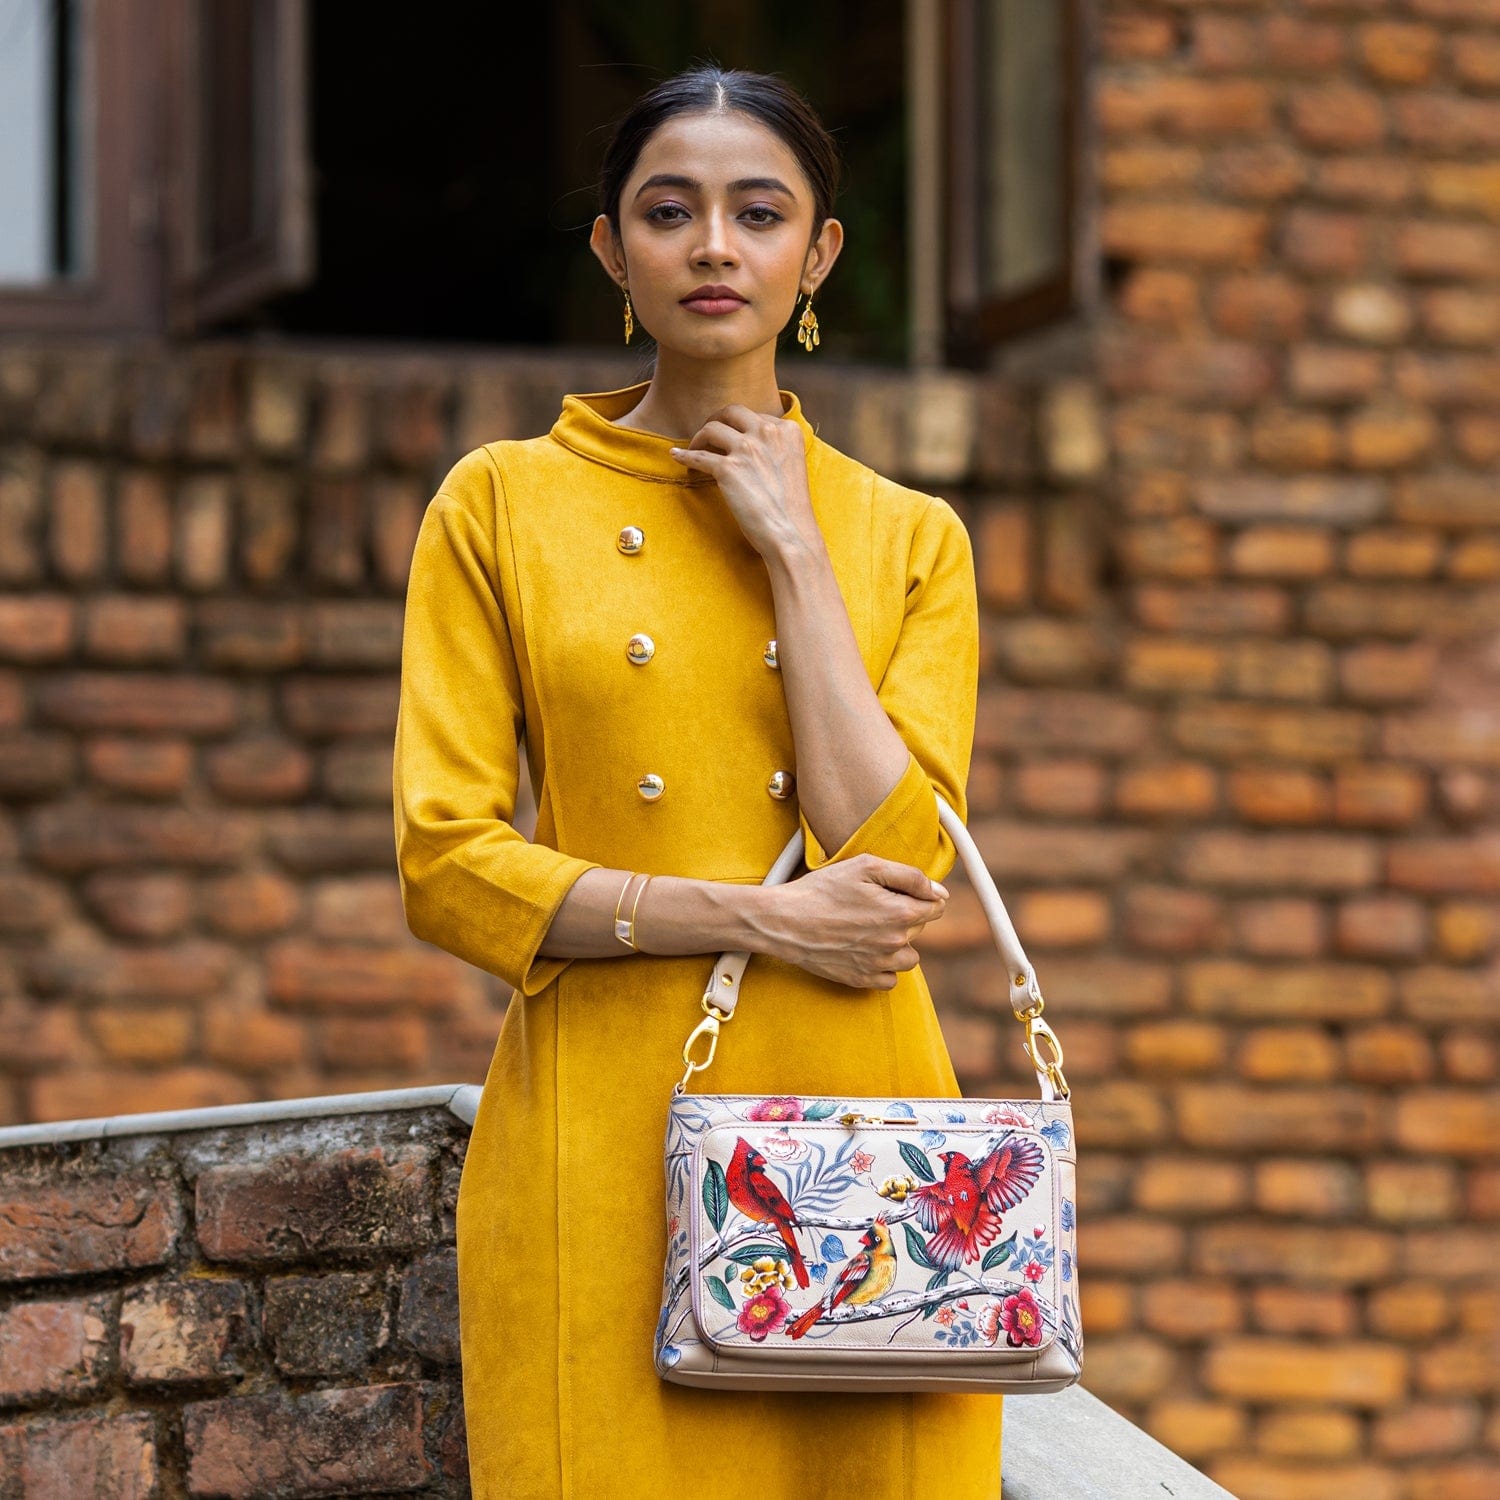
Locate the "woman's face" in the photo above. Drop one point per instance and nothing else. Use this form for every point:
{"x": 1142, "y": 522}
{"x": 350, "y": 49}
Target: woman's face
{"x": 715, "y": 200}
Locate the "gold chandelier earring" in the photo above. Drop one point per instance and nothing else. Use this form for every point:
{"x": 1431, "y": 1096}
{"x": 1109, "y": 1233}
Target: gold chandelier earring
{"x": 807, "y": 326}
{"x": 629, "y": 315}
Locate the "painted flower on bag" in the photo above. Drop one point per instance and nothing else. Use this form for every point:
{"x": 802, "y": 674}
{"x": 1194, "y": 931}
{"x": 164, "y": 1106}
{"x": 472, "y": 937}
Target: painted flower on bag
{"x": 1034, "y": 1270}
{"x": 861, "y": 1161}
{"x": 989, "y": 1322}
{"x": 781, "y": 1145}
{"x": 896, "y": 1188}
{"x": 1000, "y": 1114}
{"x": 782, "y": 1107}
{"x": 1035, "y": 1251}
{"x": 944, "y": 1315}
{"x": 1023, "y": 1321}
{"x": 764, "y": 1313}
{"x": 765, "y": 1271}
{"x": 672, "y": 1224}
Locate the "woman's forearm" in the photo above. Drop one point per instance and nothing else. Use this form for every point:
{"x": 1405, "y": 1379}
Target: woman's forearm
{"x": 848, "y": 752}
{"x": 674, "y": 915}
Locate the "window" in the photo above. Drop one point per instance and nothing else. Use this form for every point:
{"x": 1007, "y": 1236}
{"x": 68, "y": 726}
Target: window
{"x": 373, "y": 171}
{"x": 1013, "y": 71}
{"x": 43, "y": 168}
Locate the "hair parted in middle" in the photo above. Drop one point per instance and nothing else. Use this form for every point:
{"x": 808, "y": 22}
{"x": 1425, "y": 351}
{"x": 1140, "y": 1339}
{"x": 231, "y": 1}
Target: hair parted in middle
{"x": 708, "y": 89}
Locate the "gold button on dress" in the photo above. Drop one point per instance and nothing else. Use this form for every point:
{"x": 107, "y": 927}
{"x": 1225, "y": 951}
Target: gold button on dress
{"x": 523, "y": 589}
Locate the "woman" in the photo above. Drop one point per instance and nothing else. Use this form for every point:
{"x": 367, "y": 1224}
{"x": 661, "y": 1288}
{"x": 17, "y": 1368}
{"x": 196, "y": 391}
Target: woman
{"x": 712, "y": 628}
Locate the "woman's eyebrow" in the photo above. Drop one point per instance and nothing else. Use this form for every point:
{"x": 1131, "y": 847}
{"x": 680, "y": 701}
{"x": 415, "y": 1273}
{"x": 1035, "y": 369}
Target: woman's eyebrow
{"x": 692, "y": 185}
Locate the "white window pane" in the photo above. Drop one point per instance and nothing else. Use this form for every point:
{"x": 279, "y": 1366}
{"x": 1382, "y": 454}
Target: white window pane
{"x": 41, "y": 188}
{"x": 1026, "y": 138}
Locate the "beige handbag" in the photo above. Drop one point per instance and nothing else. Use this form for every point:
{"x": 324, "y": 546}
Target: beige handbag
{"x": 873, "y": 1243}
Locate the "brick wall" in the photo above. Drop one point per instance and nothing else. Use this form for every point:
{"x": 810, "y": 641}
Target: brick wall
{"x": 1290, "y": 1077}
{"x": 1237, "y": 766}
{"x": 263, "y": 1308}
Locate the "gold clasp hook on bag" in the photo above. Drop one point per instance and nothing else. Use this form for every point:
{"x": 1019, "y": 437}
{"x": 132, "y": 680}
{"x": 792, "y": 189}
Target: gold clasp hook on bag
{"x": 709, "y": 1027}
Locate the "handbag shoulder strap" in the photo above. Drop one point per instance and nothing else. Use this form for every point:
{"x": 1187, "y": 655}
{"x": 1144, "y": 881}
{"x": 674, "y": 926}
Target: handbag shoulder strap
{"x": 722, "y": 992}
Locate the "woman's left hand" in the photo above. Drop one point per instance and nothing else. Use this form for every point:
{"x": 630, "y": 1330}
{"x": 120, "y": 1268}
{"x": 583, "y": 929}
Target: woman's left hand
{"x": 760, "y": 465}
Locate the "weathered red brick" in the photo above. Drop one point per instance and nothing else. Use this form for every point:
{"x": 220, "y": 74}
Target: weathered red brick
{"x": 1287, "y": 1054}
{"x": 84, "y": 1091}
{"x": 54, "y": 1349}
{"x": 138, "y": 701}
{"x": 101, "y": 1457}
{"x": 1424, "y": 248}
{"x": 36, "y": 627}
{"x": 1337, "y": 116}
{"x": 292, "y": 1206}
{"x": 1264, "y": 305}
{"x": 77, "y": 522}
{"x": 1324, "y": 1255}
{"x": 1263, "y": 172}
{"x": 155, "y": 766}
{"x": 1455, "y": 1122}
{"x": 324, "y": 1442}
{"x": 85, "y": 1225}
{"x": 1181, "y": 105}
{"x": 1236, "y": 730}
{"x": 1400, "y": 52}
{"x": 176, "y": 1332}
{"x": 336, "y": 520}
{"x": 133, "y": 630}
{"x": 1230, "y": 1117}
{"x": 1135, "y": 36}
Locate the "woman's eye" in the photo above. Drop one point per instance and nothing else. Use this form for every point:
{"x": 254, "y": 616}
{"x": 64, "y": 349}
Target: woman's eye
{"x": 771, "y": 215}
{"x": 661, "y": 210}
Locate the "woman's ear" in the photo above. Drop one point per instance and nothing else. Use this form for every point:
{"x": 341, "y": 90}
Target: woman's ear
{"x": 604, "y": 243}
{"x": 824, "y": 250}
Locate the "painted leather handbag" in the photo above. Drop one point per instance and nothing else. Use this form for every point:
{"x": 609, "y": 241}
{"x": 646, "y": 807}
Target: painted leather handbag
{"x": 873, "y": 1243}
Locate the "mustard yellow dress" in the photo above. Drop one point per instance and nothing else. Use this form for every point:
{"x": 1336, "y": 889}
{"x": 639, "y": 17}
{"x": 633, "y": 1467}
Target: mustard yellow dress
{"x": 536, "y": 563}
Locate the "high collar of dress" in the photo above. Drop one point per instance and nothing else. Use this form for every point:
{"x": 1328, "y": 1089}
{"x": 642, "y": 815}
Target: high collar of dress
{"x": 587, "y": 424}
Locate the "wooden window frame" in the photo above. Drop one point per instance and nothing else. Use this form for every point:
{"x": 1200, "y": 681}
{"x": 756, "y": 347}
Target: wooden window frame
{"x": 121, "y": 79}
{"x": 141, "y": 82}
{"x": 975, "y": 323}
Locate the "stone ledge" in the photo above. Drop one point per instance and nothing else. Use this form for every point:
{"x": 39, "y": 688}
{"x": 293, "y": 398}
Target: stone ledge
{"x": 461, "y": 1099}
{"x": 1071, "y": 1446}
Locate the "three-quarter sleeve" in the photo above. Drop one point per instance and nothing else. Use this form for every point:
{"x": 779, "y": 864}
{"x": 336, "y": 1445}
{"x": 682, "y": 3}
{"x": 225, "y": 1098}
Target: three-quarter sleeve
{"x": 470, "y": 883}
{"x": 930, "y": 692}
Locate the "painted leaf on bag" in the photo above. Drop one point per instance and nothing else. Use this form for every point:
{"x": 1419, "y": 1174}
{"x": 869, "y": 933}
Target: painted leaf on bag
{"x": 715, "y": 1193}
{"x": 997, "y": 1255}
{"x": 719, "y": 1292}
{"x": 916, "y": 1159}
{"x": 747, "y": 1255}
{"x": 937, "y": 1279}
{"x": 819, "y": 1109}
{"x": 917, "y": 1249}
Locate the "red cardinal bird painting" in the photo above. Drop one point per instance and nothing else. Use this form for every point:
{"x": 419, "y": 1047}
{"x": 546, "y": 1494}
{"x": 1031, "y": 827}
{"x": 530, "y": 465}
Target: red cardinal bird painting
{"x": 752, "y": 1191}
{"x": 962, "y": 1212}
{"x": 869, "y": 1273}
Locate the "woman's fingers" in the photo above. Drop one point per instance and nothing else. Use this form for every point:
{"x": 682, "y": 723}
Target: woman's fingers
{"x": 699, "y": 458}
{"x": 720, "y": 435}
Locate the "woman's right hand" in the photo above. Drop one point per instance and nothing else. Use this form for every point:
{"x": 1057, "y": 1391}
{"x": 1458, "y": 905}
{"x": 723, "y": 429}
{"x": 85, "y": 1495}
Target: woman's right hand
{"x": 853, "y": 920}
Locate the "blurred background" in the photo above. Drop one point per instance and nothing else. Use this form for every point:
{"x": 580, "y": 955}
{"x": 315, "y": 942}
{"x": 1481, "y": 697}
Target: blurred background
{"x": 1190, "y": 308}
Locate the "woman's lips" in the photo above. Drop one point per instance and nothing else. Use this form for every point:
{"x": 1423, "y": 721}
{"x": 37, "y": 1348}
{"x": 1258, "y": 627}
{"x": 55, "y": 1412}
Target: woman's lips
{"x": 714, "y": 304}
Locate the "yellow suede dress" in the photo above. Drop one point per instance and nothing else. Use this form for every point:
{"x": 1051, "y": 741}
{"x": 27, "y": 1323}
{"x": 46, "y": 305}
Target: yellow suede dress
{"x": 536, "y": 565}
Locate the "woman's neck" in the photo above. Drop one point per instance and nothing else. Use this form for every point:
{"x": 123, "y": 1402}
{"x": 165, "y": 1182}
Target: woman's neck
{"x": 684, "y": 392}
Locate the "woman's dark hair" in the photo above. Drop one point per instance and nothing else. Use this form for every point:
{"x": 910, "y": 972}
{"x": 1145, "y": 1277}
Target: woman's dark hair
{"x": 710, "y": 89}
